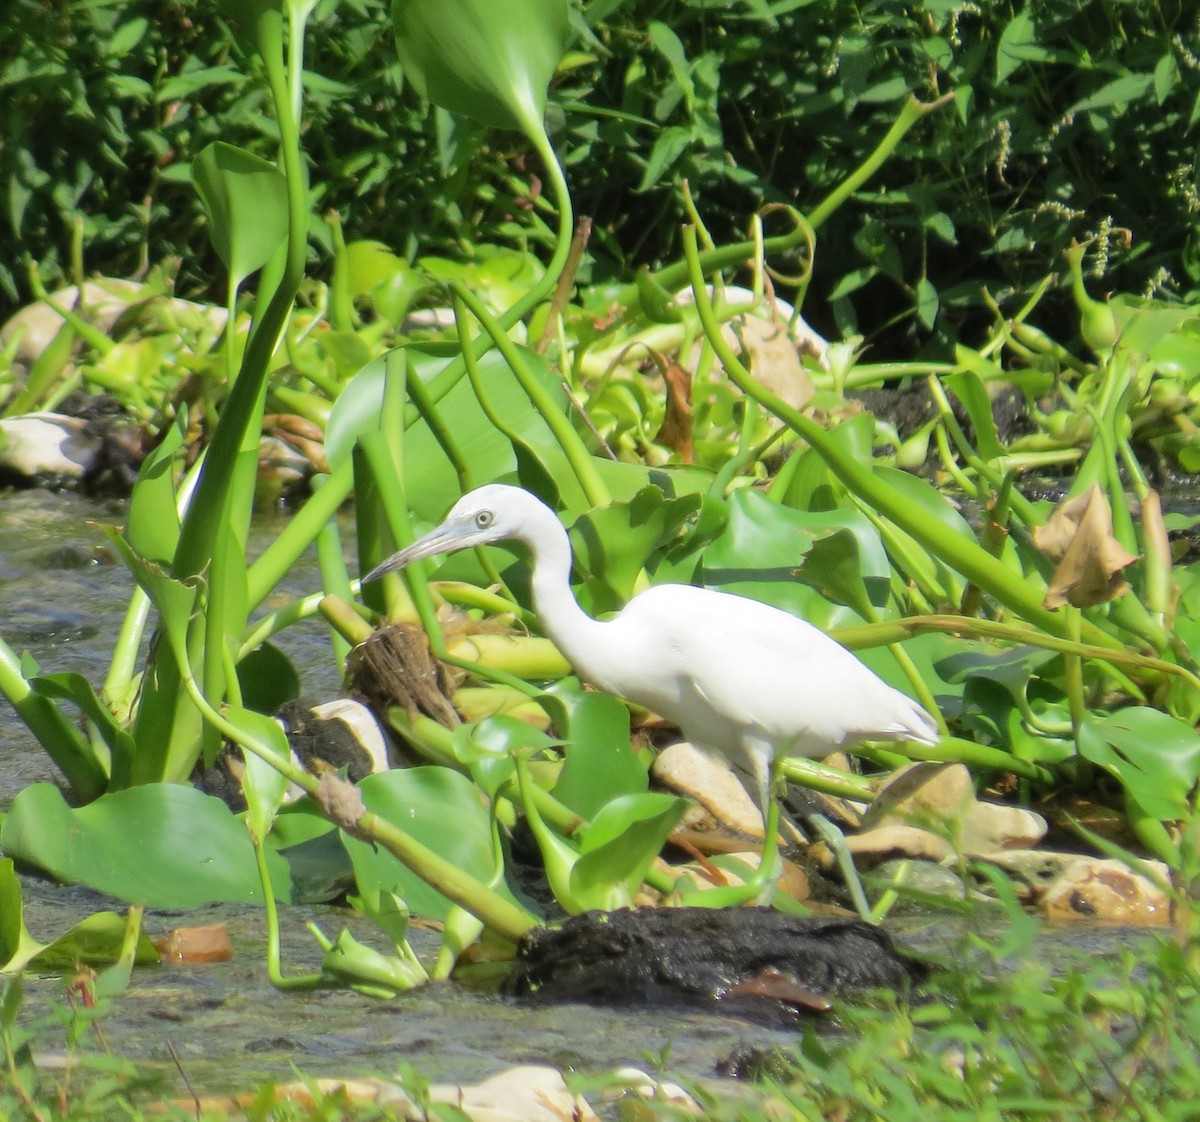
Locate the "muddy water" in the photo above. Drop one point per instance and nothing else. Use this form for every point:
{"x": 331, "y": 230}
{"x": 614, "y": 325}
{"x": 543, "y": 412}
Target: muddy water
{"x": 62, "y": 597}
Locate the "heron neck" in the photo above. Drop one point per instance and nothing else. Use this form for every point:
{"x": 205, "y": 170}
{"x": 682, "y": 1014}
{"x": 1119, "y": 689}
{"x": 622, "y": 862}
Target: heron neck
{"x": 565, "y": 623}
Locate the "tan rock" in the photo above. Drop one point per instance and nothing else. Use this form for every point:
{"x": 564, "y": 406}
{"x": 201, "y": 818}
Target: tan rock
{"x": 688, "y": 771}
{"x": 530, "y": 1093}
{"x": 1094, "y": 888}
{"x": 940, "y": 798}
{"x": 884, "y": 842}
{"x": 37, "y": 445}
{"x": 993, "y": 827}
{"x": 626, "y": 1081}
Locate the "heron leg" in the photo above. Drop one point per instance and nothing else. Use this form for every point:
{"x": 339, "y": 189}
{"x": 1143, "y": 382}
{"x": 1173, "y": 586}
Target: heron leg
{"x": 770, "y": 865}
{"x": 761, "y": 885}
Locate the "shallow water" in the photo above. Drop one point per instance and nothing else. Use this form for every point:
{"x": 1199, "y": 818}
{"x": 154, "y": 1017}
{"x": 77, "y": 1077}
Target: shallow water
{"x": 63, "y": 595}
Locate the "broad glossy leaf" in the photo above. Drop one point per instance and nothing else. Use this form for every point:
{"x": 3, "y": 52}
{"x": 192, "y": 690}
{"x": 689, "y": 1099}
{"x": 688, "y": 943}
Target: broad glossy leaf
{"x": 431, "y": 482}
{"x": 267, "y": 679}
{"x": 600, "y": 763}
{"x": 619, "y": 845}
{"x": 613, "y": 544}
{"x": 1156, "y": 757}
{"x": 763, "y": 545}
{"x": 165, "y": 845}
{"x": 491, "y": 60}
{"x": 486, "y": 748}
{"x": 245, "y": 198}
{"x": 443, "y": 810}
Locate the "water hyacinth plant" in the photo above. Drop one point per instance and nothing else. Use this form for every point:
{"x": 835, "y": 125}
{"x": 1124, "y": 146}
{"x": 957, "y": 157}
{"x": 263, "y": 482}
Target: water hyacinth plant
{"x": 804, "y": 506}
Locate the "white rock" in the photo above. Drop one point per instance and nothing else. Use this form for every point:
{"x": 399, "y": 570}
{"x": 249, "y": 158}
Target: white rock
{"x": 521, "y": 1094}
{"x": 34, "y": 445}
{"x": 360, "y": 721}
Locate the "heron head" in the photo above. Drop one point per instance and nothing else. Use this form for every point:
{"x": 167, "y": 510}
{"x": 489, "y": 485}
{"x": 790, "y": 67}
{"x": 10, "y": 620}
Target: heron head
{"x": 487, "y": 514}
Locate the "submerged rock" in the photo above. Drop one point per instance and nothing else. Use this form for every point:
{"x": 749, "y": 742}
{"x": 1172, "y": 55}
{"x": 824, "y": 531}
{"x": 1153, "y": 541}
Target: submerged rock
{"x": 762, "y": 958}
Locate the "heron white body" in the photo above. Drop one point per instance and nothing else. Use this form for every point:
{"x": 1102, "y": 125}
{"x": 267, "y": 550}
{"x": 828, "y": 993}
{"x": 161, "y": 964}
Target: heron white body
{"x": 743, "y": 680}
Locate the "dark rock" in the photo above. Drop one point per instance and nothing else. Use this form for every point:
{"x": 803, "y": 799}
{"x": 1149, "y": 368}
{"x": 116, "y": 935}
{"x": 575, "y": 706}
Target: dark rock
{"x": 703, "y": 955}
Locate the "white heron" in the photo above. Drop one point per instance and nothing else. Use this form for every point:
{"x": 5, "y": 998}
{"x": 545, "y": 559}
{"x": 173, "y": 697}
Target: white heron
{"x": 742, "y": 680}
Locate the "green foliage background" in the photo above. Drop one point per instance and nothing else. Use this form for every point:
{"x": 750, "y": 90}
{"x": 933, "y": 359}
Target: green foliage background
{"x": 1071, "y": 119}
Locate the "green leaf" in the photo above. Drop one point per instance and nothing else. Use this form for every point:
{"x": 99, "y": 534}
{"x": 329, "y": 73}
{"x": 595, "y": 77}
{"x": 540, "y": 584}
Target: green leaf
{"x": 668, "y": 147}
{"x": 600, "y": 763}
{"x": 263, "y": 785}
{"x": 1120, "y": 91}
{"x": 165, "y": 845}
{"x": 669, "y": 45}
{"x": 491, "y": 60}
{"x": 614, "y": 544}
{"x": 423, "y": 801}
{"x": 927, "y": 303}
{"x": 1019, "y": 42}
{"x": 97, "y": 940}
{"x": 618, "y": 847}
{"x": 77, "y": 689}
{"x": 246, "y": 201}
{"x": 972, "y": 393}
{"x": 152, "y": 526}
{"x": 764, "y": 543}
{"x": 268, "y": 679}
{"x": 1155, "y": 756}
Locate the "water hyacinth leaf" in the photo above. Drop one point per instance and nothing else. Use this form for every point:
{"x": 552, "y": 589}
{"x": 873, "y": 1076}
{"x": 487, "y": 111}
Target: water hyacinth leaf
{"x": 968, "y": 387}
{"x": 263, "y": 785}
{"x": 832, "y": 565}
{"x": 78, "y": 690}
{"x": 486, "y": 748}
{"x": 490, "y": 60}
{"x": 165, "y": 845}
{"x": 152, "y": 526}
{"x": 763, "y": 544}
{"x": 431, "y": 483}
{"x": 245, "y": 198}
{"x": 613, "y": 544}
{"x": 421, "y": 801}
{"x": 17, "y": 946}
{"x": 618, "y": 847}
{"x": 268, "y": 679}
{"x": 601, "y": 764}
{"x": 1157, "y": 758}
{"x": 96, "y": 940}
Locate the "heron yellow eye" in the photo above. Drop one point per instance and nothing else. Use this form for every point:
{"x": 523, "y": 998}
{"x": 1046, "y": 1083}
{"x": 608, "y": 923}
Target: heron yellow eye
{"x": 484, "y": 519}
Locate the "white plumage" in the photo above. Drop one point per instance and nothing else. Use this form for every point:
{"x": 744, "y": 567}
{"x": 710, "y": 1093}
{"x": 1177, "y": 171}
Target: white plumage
{"x": 742, "y": 679}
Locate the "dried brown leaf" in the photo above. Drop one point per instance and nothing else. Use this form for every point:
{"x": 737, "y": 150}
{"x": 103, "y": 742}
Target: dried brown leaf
{"x": 1079, "y": 535}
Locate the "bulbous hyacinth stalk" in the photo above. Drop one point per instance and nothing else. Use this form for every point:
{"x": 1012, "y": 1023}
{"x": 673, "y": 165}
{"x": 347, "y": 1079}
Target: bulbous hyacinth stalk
{"x": 490, "y": 60}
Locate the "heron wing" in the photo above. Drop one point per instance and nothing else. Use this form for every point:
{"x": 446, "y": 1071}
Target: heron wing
{"x": 742, "y": 665}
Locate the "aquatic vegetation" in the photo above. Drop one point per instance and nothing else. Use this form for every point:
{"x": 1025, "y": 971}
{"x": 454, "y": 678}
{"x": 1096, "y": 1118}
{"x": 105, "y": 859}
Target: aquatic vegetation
{"x": 1054, "y": 644}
